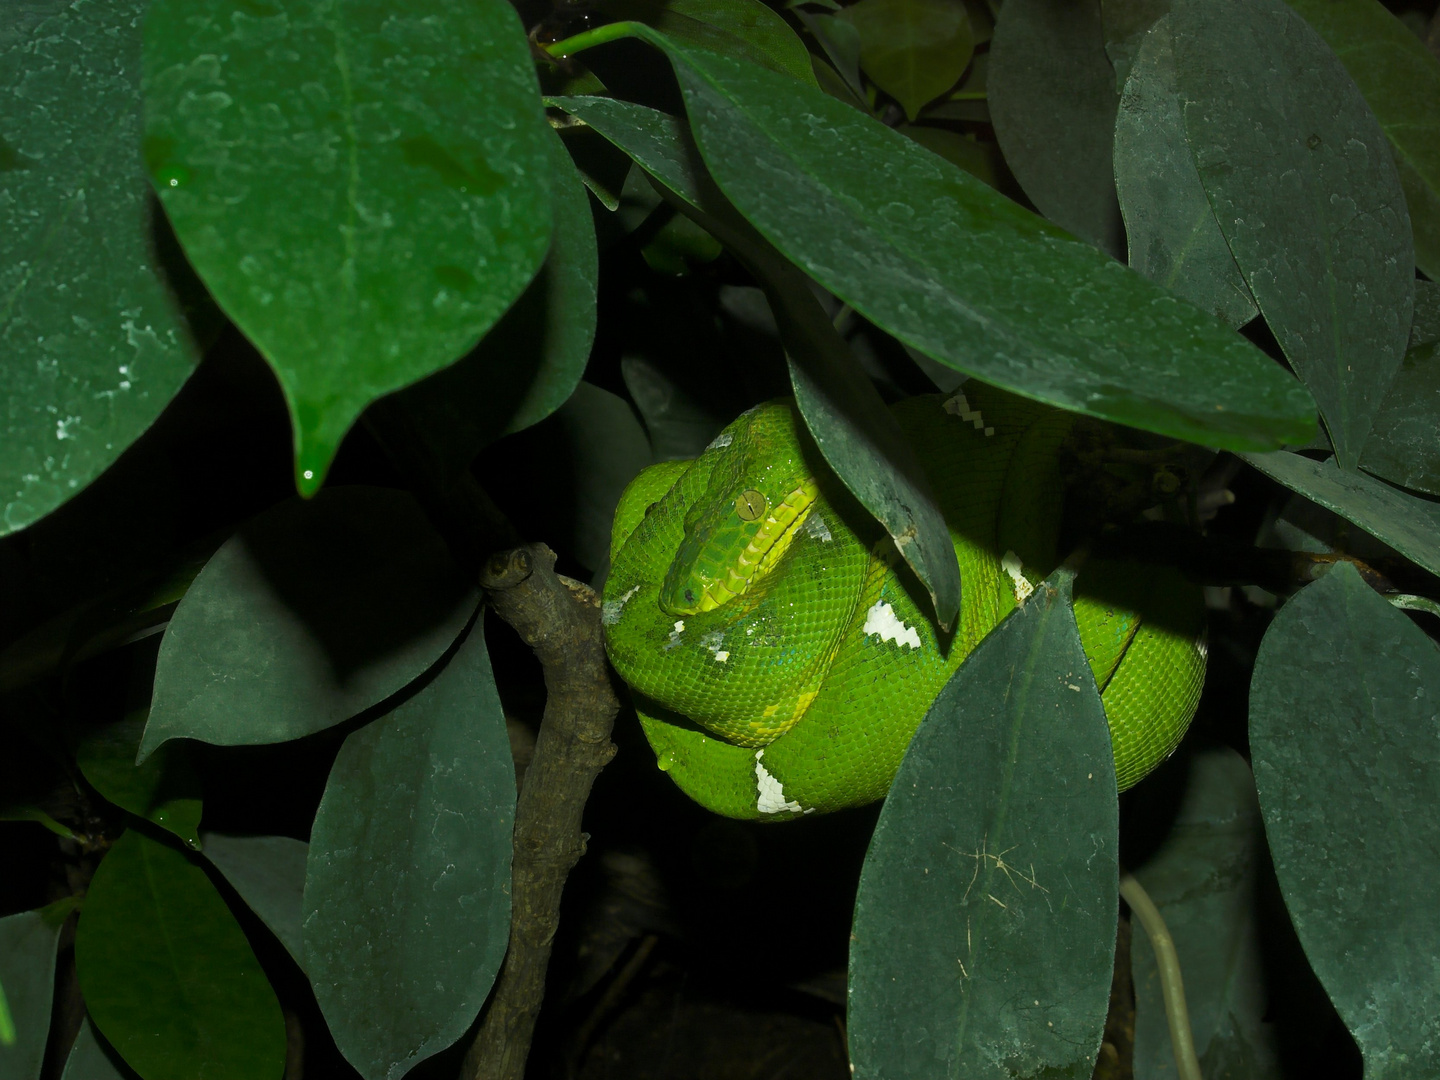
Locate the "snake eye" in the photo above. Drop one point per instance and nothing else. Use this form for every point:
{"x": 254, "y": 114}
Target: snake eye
{"x": 750, "y": 505}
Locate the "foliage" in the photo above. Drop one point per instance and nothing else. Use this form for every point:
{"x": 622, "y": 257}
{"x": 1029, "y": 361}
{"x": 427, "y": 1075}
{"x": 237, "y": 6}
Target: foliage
{"x": 1197, "y": 223}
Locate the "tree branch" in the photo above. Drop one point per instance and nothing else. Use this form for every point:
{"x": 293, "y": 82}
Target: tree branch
{"x": 560, "y": 620}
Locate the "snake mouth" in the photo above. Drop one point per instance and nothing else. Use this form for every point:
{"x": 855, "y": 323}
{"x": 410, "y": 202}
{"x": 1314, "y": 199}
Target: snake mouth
{"x": 723, "y": 559}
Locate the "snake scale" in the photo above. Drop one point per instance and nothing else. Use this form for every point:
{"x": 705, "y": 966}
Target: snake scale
{"x": 779, "y": 649}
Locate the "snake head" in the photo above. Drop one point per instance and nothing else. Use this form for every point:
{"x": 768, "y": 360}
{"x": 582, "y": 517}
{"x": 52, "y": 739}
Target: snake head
{"x": 759, "y": 493}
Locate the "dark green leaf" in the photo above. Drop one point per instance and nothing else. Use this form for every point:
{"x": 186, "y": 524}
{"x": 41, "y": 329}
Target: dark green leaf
{"x": 269, "y": 874}
{"x": 27, "y": 974}
{"x": 1342, "y": 733}
{"x": 1404, "y": 444}
{"x": 1125, "y": 24}
{"x": 974, "y": 280}
{"x": 101, "y": 321}
{"x": 364, "y": 188}
{"x": 742, "y": 28}
{"x": 528, "y": 365}
{"x": 91, "y": 1058}
{"x": 985, "y": 923}
{"x": 1053, "y": 100}
{"x": 1172, "y": 234}
{"x": 1203, "y": 879}
{"x": 975, "y": 157}
{"x": 167, "y": 974}
{"x": 1400, "y": 79}
{"x": 1409, "y": 524}
{"x": 1301, "y": 181}
{"x": 165, "y": 789}
{"x": 679, "y": 425}
{"x": 914, "y": 50}
{"x": 314, "y": 612}
{"x": 407, "y": 891}
{"x": 841, "y": 42}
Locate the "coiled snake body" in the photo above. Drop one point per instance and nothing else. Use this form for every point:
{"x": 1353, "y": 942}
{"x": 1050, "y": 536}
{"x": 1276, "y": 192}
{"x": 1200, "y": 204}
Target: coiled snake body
{"x": 780, "y": 650}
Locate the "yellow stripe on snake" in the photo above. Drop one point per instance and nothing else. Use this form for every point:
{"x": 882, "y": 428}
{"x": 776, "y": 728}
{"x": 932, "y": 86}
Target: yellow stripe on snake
{"x": 778, "y": 647}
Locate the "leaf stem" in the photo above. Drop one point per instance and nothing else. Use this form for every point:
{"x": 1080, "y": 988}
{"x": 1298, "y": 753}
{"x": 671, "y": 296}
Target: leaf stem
{"x": 601, "y": 35}
{"x": 1171, "y": 987}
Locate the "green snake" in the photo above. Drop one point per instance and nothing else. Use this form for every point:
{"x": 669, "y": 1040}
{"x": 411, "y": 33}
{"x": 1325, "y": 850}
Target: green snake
{"x": 779, "y": 649}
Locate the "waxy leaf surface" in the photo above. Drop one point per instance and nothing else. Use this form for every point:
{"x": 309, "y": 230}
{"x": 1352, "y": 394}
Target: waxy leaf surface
{"x": 27, "y": 973}
{"x": 363, "y": 188}
{"x": 269, "y": 874}
{"x": 164, "y": 789}
{"x": 1404, "y": 447}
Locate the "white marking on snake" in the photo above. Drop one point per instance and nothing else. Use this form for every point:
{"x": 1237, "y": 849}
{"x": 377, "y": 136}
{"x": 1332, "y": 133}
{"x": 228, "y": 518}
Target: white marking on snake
{"x": 611, "y": 609}
{"x": 1011, "y": 565}
{"x": 959, "y": 405}
{"x": 771, "y": 793}
{"x": 713, "y": 641}
{"x": 675, "y": 634}
{"x": 816, "y": 528}
{"x": 721, "y": 441}
{"x": 882, "y": 620}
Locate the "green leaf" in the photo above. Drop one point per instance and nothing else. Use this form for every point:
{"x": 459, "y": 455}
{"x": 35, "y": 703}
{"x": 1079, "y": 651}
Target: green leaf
{"x": 1409, "y": 524}
{"x": 1303, "y": 187}
{"x": 1052, "y": 99}
{"x": 975, "y": 157}
{"x": 742, "y": 28}
{"x": 313, "y": 612}
{"x": 1172, "y": 234}
{"x": 407, "y": 891}
{"x": 1342, "y": 733}
{"x": 914, "y": 50}
{"x": 975, "y": 281}
{"x": 91, "y": 1058}
{"x": 841, "y": 43}
{"x": 165, "y": 789}
{"x": 1125, "y": 24}
{"x": 167, "y": 974}
{"x": 1400, "y": 79}
{"x": 985, "y": 923}
{"x": 101, "y": 321}
{"x": 529, "y": 364}
{"x": 363, "y": 188}
{"x": 27, "y": 975}
{"x": 1402, "y": 447}
{"x": 269, "y": 874}
{"x": 679, "y": 425}
{"x": 1203, "y": 880}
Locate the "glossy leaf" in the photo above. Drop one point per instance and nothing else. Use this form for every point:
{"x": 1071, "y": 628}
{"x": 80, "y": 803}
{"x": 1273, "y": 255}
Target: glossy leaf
{"x": 165, "y": 789}
{"x": 1301, "y": 181}
{"x": 364, "y": 188}
{"x": 1400, "y": 79}
{"x": 971, "y": 278}
{"x": 853, "y": 429}
{"x": 1172, "y": 234}
{"x": 985, "y": 923}
{"x": 269, "y": 874}
{"x": 914, "y": 50}
{"x": 1052, "y": 98}
{"x": 529, "y": 364}
{"x": 747, "y": 29}
{"x": 407, "y": 891}
{"x": 1404, "y": 446}
{"x": 1203, "y": 880}
{"x": 314, "y": 612}
{"x": 92, "y": 1059}
{"x": 167, "y": 974}
{"x": 1408, "y": 523}
{"x": 1342, "y": 733}
{"x": 1125, "y": 24}
{"x": 101, "y": 321}
{"x": 27, "y": 973}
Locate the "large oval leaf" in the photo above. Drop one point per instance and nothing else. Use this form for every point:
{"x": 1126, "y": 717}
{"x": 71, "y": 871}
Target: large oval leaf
{"x": 167, "y": 974}
{"x": 1171, "y": 231}
{"x": 314, "y": 612}
{"x": 962, "y": 273}
{"x": 164, "y": 790}
{"x": 1053, "y": 101}
{"x": 364, "y": 188}
{"x": 1343, "y": 722}
{"x": 269, "y": 874}
{"x": 1402, "y": 447}
{"x": 1303, "y": 186}
{"x": 1400, "y": 79}
{"x": 914, "y": 50}
{"x": 407, "y": 888}
{"x": 97, "y": 335}
{"x": 985, "y": 923}
{"x": 745, "y": 28}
